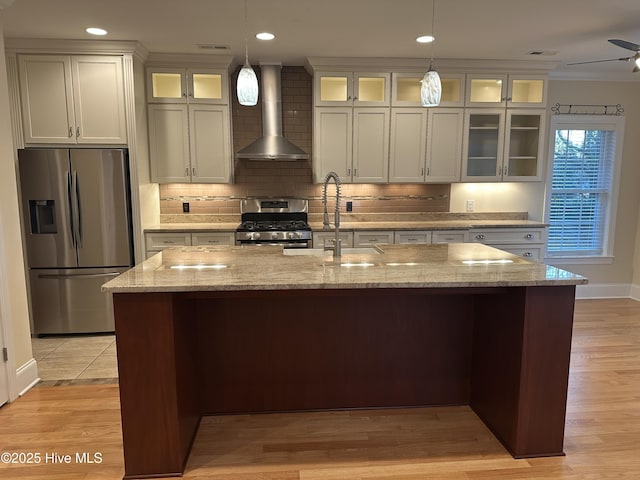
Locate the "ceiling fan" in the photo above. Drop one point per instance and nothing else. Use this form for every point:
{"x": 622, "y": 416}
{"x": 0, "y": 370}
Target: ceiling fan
{"x": 624, "y": 44}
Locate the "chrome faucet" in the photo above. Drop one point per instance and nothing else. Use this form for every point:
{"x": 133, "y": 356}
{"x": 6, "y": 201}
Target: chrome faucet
{"x": 337, "y": 243}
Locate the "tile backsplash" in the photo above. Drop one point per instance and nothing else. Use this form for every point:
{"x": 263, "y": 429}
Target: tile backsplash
{"x": 293, "y": 179}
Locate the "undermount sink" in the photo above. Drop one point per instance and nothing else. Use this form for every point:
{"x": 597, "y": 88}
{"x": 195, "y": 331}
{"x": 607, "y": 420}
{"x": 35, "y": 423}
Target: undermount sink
{"x": 319, "y": 252}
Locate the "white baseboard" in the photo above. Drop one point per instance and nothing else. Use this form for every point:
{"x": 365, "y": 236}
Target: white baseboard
{"x": 27, "y": 377}
{"x": 635, "y": 292}
{"x": 605, "y": 290}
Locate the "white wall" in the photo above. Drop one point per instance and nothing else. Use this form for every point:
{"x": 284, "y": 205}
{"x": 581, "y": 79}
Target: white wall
{"x": 15, "y": 308}
{"x": 530, "y": 196}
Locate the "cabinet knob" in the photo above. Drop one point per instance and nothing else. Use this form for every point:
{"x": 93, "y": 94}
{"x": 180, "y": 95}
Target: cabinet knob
{"x": 527, "y": 254}
{"x": 480, "y": 236}
{"x": 529, "y": 236}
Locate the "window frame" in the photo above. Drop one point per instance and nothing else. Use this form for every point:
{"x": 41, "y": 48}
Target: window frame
{"x": 587, "y": 122}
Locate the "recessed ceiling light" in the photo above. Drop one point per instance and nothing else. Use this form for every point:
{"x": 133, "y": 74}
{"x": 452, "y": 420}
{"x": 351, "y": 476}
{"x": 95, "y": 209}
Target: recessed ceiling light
{"x": 425, "y": 39}
{"x": 96, "y": 31}
{"x": 265, "y": 36}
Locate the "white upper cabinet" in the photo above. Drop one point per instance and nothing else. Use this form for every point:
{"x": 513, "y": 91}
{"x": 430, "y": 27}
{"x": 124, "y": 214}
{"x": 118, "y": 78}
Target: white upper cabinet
{"x": 506, "y": 90}
{"x": 332, "y": 142}
{"x": 444, "y": 145}
{"x": 370, "y": 145}
{"x": 347, "y": 88}
{"x": 189, "y": 144}
{"x": 405, "y": 89}
{"x": 185, "y": 85}
{"x": 407, "y": 146}
{"x": 72, "y": 99}
{"x": 503, "y": 145}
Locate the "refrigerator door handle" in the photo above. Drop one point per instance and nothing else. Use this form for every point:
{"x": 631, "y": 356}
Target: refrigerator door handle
{"x": 78, "y": 211}
{"x": 55, "y": 276}
{"x": 71, "y": 209}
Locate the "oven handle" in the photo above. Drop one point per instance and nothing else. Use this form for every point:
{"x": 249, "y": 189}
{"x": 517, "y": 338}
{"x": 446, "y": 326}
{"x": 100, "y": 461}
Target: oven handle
{"x": 283, "y": 244}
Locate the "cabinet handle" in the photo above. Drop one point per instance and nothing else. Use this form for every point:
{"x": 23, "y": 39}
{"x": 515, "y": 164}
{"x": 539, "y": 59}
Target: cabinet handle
{"x": 193, "y": 171}
{"x": 499, "y": 171}
{"x": 529, "y": 236}
{"x": 78, "y": 131}
{"x": 168, "y": 241}
{"x": 186, "y": 171}
{"x": 422, "y": 172}
{"x": 70, "y": 131}
{"x": 527, "y": 254}
{"x": 355, "y": 172}
{"x": 505, "y": 171}
{"x": 480, "y": 237}
{"x": 348, "y": 172}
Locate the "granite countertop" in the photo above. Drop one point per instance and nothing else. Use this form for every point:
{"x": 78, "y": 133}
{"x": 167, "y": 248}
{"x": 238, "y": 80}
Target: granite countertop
{"x": 190, "y": 269}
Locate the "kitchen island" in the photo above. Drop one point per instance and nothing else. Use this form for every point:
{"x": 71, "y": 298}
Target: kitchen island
{"x": 221, "y": 330}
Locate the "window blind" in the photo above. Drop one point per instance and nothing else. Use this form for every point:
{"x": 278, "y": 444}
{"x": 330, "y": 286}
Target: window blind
{"x": 582, "y": 178}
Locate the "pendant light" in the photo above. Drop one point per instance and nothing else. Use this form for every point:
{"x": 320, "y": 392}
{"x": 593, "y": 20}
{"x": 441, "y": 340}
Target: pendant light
{"x": 247, "y": 85}
{"x": 431, "y": 90}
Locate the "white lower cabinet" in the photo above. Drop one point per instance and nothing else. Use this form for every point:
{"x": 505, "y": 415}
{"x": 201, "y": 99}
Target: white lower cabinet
{"x": 450, "y": 236}
{"x": 366, "y": 238}
{"x": 156, "y": 242}
{"x": 326, "y": 237}
{"x": 409, "y": 237}
{"x": 217, "y": 238}
{"x": 525, "y": 242}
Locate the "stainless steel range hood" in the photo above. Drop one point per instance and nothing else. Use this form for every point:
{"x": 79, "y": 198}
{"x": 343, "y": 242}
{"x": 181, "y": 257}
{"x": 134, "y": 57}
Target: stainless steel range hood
{"x": 272, "y": 145}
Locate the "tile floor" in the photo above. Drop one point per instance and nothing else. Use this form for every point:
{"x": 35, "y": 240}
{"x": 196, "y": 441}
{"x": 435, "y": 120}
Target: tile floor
{"x": 76, "y": 358}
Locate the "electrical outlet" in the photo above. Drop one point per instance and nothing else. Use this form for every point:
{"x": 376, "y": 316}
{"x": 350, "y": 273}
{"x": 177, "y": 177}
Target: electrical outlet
{"x": 470, "y": 205}
{"x": 185, "y": 207}
{"x": 349, "y": 206}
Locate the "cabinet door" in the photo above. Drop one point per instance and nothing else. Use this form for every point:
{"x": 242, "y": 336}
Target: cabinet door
{"x": 527, "y": 91}
{"x": 444, "y": 145}
{"x": 207, "y": 86}
{"x": 332, "y": 142}
{"x": 166, "y": 85}
{"x": 213, "y": 238}
{"x": 169, "y": 143}
{"x": 370, "y": 145}
{"x": 523, "y": 145}
{"x": 405, "y": 89}
{"x": 98, "y": 92}
{"x": 47, "y": 99}
{"x": 210, "y": 144}
{"x": 371, "y": 89}
{"x": 333, "y": 89}
{"x": 483, "y": 145}
{"x": 407, "y": 145}
{"x": 364, "y": 239}
{"x": 320, "y": 239}
{"x": 412, "y": 237}
{"x": 486, "y": 91}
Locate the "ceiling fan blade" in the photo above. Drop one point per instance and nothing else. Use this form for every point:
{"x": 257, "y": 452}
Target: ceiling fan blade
{"x": 624, "y": 44}
{"x": 626, "y": 59}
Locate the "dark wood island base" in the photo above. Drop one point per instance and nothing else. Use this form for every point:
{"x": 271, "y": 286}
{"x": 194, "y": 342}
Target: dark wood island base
{"x": 502, "y": 350}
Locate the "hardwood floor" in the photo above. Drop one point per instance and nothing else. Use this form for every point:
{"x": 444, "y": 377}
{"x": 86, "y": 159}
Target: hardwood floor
{"x": 602, "y": 439}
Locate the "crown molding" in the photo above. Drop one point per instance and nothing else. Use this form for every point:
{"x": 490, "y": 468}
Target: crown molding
{"x": 69, "y": 46}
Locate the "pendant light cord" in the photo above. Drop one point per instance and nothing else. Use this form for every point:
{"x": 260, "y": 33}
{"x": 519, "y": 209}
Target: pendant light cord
{"x": 246, "y": 29}
{"x": 433, "y": 33}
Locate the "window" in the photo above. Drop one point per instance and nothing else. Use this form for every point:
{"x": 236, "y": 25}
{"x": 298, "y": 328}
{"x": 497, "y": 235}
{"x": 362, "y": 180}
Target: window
{"x": 582, "y": 186}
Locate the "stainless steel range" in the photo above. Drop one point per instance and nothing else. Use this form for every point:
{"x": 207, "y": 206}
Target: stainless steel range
{"x": 268, "y": 221}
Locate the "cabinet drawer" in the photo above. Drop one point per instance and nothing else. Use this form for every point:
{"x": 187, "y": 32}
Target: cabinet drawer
{"x": 449, "y": 236}
{"x": 361, "y": 239}
{"x": 530, "y": 252}
{"x": 412, "y": 237}
{"x": 507, "y": 235}
{"x": 158, "y": 241}
{"x": 320, "y": 238}
{"x": 218, "y": 238}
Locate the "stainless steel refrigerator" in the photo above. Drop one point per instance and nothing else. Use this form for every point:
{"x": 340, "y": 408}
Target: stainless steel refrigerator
{"x": 76, "y": 207}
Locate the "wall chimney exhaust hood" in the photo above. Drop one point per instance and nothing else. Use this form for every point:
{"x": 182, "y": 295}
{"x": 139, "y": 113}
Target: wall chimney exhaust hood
{"x": 272, "y": 145}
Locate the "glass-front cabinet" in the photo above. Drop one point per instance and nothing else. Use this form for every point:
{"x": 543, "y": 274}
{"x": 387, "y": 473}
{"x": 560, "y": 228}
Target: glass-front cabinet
{"x": 506, "y": 90}
{"x": 405, "y": 89}
{"x": 503, "y": 145}
{"x": 349, "y": 88}
{"x": 177, "y": 85}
